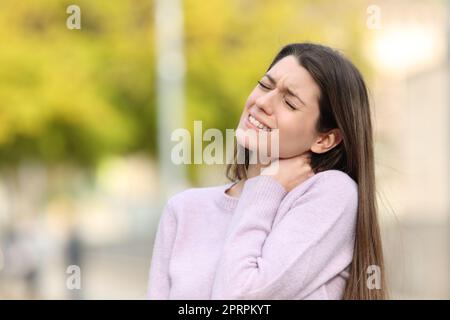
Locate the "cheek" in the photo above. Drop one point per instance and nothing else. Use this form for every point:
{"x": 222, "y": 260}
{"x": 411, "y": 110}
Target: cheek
{"x": 250, "y": 102}
{"x": 296, "y": 134}
{"x": 251, "y": 99}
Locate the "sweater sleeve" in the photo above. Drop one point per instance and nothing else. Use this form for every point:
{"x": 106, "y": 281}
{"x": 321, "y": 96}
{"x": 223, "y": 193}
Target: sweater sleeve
{"x": 260, "y": 263}
{"x": 159, "y": 280}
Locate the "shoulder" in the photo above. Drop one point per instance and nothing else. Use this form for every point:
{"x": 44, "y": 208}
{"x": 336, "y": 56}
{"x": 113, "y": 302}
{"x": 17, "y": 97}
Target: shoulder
{"x": 337, "y": 181}
{"x": 332, "y": 186}
{"x": 194, "y": 197}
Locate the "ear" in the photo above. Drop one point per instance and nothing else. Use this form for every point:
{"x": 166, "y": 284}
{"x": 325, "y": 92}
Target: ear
{"x": 327, "y": 141}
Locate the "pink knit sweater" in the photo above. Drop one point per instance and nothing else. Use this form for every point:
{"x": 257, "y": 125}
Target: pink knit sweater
{"x": 267, "y": 244}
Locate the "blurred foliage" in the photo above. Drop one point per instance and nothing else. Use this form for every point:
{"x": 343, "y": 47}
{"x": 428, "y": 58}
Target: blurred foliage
{"x": 80, "y": 95}
{"x": 75, "y": 95}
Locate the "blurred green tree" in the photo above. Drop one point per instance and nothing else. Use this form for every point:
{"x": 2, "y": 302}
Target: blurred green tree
{"x": 75, "y": 95}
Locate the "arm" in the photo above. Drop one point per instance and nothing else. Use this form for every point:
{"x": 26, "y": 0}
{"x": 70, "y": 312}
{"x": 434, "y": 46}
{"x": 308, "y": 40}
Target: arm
{"x": 159, "y": 280}
{"x": 260, "y": 263}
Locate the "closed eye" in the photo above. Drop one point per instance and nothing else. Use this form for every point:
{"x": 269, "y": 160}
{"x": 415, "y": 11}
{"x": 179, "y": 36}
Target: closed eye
{"x": 263, "y": 85}
{"x": 290, "y": 105}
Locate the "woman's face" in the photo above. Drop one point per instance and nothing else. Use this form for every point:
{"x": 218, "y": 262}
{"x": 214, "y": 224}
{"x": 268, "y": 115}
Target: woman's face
{"x": 287, "y": 99}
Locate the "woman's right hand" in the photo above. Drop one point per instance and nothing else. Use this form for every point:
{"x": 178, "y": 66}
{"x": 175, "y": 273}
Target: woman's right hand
{"x": 290, "y": 172}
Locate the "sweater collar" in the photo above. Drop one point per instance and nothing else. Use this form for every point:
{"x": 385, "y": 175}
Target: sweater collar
{"x": 225, "y": 201}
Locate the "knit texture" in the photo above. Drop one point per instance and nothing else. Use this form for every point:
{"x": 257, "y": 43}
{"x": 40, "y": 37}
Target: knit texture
{"x": 266, "y": 244}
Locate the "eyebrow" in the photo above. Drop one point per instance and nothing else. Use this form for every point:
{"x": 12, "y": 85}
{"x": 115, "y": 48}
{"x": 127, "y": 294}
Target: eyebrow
{"x": 272, "y": 80}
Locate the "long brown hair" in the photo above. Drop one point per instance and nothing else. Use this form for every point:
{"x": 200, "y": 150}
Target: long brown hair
{"x": 343, "y": 104}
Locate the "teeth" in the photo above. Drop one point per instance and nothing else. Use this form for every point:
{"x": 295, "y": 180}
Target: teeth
{"x": 257, "y": 123}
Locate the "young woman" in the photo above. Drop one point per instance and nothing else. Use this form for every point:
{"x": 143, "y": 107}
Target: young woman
{"x": 307, "y": 231}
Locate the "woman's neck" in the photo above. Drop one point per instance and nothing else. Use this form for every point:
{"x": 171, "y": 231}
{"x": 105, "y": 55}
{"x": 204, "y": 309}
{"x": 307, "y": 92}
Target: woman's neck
{"x": 236, "y": 189}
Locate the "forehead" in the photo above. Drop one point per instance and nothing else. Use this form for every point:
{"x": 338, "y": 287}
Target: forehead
{"x": 292, "y": 75}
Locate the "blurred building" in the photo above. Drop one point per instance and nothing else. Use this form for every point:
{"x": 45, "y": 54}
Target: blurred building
{"x": 412, "y": 121}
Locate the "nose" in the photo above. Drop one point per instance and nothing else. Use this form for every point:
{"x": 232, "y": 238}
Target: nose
{"x": 266, "y": 102}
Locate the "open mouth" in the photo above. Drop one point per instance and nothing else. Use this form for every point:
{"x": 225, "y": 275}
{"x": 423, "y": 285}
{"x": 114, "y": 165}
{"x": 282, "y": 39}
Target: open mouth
{"x": 258, "y": 124}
